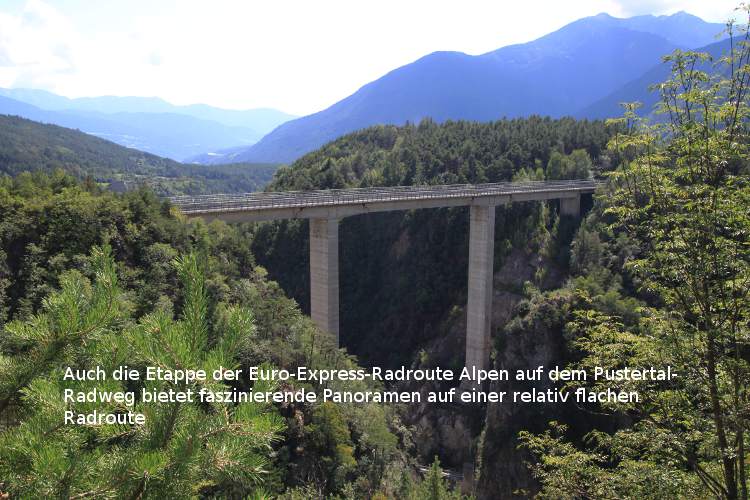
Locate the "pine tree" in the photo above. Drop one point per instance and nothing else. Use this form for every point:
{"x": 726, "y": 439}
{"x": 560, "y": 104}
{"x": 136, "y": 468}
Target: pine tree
{"x": 435, "y": 487}
{"x": 183, "y": 450}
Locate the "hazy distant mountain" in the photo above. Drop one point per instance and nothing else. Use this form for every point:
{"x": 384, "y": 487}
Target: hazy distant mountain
{"x": 682, "y": 29}
{"x": 147, "y": 123}
{"x": 170, "y": 135}
{"x": 638, "y": 89}
{"x": 557, "y": 74}
{"x": 27, "y": 145}
{"x": 261, "y": 120}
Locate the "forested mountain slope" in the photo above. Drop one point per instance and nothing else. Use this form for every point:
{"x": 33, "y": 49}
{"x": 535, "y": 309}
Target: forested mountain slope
{"x": 26, "y": 145}
{"x": 403, "y": 275}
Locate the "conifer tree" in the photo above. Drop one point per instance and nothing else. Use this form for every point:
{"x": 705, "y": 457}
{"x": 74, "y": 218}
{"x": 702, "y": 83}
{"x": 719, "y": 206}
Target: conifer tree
{"x": 182, "y": 450}
{"x": 434, "y": 486}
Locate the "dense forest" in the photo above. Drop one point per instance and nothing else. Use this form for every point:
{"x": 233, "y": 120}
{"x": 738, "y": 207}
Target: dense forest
{"x": 85, "y": 275}
{"x": 402, "y": 272}
{"x": 655, "y": 273}
{"x": 26, "y": 145}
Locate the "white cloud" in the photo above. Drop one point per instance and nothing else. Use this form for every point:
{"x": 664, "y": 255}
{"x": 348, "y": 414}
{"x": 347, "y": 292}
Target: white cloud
{"x": 38, "y": 42}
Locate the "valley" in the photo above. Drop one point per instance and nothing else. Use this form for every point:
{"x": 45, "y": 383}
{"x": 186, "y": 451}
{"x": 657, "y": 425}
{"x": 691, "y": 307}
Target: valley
{"x": 493, "y": 264}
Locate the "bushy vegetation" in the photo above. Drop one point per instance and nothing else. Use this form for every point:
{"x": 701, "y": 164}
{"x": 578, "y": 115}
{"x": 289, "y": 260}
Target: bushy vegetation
{"x": 450, "y": 153}
{"x": 89, "y": 277}
{"x": 663, "y": 278}
{"x": 183, "y": 449}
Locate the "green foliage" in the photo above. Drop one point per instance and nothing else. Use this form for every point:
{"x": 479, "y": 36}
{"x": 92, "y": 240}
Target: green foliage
{"x": 433, "y": 486}
{"x": 202, "y": 179}
{"x": 576, "y": 165}
{"x": 567, "y": 471}
{"x": 76, "y": 317}
{"x": 449, "y": 153}
{"x": 49, "y": 225}
{"x": 674, "y": 224}
{"x": 183, "y": 449}
{"x": 329, "y": 434}
{"x": 586, "y": 252}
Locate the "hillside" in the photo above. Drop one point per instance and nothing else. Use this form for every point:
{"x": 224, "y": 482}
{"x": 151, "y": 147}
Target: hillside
{"x": 148, "y": 124}
{"x": 639, "y": 88}
{"x": 26, "y": 145}
{"x": 403, "y": 275}
{"x": 555, "y": 75}
{"x": 53, "y": 231}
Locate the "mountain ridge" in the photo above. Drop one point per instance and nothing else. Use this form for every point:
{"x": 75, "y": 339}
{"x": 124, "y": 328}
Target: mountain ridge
{"x": 637, "y": 90}
{"x": 555, "y": 75}
{"x": 149, "y": 124}
{"x": 268, "y": 117}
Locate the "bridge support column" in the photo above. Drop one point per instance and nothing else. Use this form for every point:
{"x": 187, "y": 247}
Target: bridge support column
{"x": 479, "y": 307}
{"x": 571, "y": 206}
{"x": 324, "y": 275}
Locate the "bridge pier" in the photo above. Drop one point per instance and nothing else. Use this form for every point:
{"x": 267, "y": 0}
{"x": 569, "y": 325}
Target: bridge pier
{"x": 571, "y": 206}
{"x": 479, "y": 306}
{"x": 324, "y": 209}
{"x": 324, "y": 275}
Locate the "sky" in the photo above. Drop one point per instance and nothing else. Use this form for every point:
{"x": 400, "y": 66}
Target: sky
{"x": 299, "y": 56}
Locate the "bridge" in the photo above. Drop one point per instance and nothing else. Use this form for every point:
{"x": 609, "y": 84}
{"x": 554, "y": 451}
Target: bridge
{"x": 325, "y": 208}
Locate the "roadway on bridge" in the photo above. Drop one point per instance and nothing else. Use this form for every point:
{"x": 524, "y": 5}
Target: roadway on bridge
{"x": 281, "y": 202}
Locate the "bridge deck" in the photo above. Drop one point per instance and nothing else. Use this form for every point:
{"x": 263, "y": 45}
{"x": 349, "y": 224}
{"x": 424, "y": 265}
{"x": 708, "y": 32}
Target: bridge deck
{"x": 343, "y": 202}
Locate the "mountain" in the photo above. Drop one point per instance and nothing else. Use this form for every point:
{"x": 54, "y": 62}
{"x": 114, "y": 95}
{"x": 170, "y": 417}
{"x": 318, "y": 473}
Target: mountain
{"x": 27, "y": 145}
{"x": 261, "y": 120}
{"x": 682, "y": 29}
{"x": 165, "y": 134}
{"x": 638, "y": 89}
{"x": 149, "y": 124}
{"x": 389, "y": 261}
{"x": 555, "y": 75}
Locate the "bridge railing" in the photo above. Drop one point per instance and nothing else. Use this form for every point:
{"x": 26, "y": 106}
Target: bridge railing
{"x": 332, "y": 197}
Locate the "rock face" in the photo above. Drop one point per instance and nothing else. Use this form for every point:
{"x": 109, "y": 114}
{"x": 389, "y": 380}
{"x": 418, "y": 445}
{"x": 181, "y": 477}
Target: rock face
{"x": 532, "y": 339}
{"x": 526, "y": 334}
{"x": 524, "y": 345}
{"x": 447, "y": 430}
{"x": 453, "y": 431}
{"x": 448, "y": 433}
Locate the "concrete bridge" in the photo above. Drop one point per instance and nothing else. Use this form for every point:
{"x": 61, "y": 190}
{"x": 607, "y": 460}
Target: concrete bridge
{"x": 325, "y": 208}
